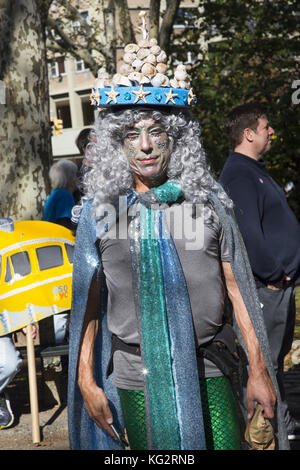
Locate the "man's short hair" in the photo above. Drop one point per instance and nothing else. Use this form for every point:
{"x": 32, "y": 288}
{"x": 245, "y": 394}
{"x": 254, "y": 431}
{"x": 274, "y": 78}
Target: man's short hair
{"x": 241, "y": 117}
{"x": 83, "y": 139}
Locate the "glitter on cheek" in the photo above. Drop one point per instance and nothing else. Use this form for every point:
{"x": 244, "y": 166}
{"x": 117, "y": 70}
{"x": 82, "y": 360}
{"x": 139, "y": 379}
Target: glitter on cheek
{"x": 130, "y": 153}
{"x": 163, "y": 146}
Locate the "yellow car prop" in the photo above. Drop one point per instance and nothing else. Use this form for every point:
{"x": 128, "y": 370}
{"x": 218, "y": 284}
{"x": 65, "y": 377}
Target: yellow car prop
{"x": 36, "y": 272}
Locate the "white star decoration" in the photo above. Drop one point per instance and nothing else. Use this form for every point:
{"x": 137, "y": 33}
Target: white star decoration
{"x": 112, "y": 95}
{"x": 140, "y": 95}
{"x": 170, "y": 96}
{"x": 191, "y": 96}
{"x": 95, "y": 98}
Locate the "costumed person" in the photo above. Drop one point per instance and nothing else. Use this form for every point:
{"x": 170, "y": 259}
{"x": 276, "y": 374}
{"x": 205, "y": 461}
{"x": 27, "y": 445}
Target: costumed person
{"x": 270, "y": 231}
{"x": 156, "y": 250}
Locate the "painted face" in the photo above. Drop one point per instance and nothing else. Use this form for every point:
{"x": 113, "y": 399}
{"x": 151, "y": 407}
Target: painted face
{"x": 263, "y": 136}
{"x": 147, "y": 148}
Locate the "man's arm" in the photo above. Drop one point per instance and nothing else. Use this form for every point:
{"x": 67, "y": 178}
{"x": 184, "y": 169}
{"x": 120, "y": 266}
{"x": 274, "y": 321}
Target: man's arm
{"x": 94, "y": 397}
{"x": 259, "y": 387}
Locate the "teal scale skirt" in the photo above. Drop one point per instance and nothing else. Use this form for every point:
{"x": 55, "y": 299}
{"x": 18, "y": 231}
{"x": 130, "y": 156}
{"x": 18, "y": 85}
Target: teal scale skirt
{"x": 222, "y": 430}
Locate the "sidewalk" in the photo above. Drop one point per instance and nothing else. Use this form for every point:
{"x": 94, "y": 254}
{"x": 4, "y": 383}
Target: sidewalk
{"x": 52, "y": 417}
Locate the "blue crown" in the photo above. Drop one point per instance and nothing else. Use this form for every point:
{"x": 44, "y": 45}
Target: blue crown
{"x": 141, "y": 95}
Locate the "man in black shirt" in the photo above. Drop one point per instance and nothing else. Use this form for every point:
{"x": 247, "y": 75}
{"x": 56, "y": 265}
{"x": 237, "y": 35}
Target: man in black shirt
{"x": 269, "y": 228}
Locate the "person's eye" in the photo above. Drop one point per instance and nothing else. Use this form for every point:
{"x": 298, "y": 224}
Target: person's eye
{"x": 132, "y": 135}
{"x": 156, "y": 132}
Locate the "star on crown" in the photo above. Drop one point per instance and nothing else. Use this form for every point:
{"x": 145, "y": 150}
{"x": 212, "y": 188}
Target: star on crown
{"x": 95, "y": 98}
{"x": 140, "y": 94}
{"x": 191, "y": 96}
{"x": 170, "y": 96}
{"x": 112, "y": 95}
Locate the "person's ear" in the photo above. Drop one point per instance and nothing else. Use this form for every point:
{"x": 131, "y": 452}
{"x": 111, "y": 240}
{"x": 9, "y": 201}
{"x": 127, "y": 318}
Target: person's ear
{"x": 248, "y": 134}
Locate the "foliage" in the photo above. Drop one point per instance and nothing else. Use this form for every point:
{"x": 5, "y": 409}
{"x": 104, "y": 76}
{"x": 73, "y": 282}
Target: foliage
{"x": 249, "y": 52}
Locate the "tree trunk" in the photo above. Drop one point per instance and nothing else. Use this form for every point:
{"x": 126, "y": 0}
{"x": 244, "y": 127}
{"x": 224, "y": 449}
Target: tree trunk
{"x": 25, "y": 134}
{"x": 154, "y": 18}
{"x": 124, "y": 21}
{"x": 166, "y": 28}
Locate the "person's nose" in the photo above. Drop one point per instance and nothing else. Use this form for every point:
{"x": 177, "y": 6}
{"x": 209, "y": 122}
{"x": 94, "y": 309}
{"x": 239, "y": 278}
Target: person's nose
{"x": 146, "y": 144}
{"x": 271, "y": 131}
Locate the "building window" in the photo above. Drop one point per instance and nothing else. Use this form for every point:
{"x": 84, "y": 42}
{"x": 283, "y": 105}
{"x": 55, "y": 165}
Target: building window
{"x": 63, "y": 112}
{"x": 57, "y": 68}
{"x": 87, "y": 112}
{"x": 76, "y": 25}
{"x": 49, "y": 257}
{"x": 186, "y": 18}
{"x": 81, "y": 66}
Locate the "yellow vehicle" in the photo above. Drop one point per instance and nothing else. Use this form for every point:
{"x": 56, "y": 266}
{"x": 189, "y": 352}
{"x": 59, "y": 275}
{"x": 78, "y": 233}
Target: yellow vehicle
{"x": 36, "y": 266}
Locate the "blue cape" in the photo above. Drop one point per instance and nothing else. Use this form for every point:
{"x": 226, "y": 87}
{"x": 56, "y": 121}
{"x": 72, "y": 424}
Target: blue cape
{"x": 83, "y": 432}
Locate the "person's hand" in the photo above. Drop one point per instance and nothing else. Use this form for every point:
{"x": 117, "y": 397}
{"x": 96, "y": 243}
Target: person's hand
{"x": 276, "y": 286}
{"x": 97, "y": 407}
{"x": 279, "y": 284}
{"x": 33, "y": 331}
{"x": 260, "y": 389}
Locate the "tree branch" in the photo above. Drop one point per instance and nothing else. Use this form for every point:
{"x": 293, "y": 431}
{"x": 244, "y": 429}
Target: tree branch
{"x": 76, "y": 16}
{"x": 64, "y": 38}
{"x": 154, "y": 18}
{"x": 167, "y": 24}
{"x": 65, "y": 45}
{"x": 121, "y": 8}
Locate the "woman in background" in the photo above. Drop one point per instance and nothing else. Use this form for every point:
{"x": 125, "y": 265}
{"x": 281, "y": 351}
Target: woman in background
{"x": 58, "y": 207}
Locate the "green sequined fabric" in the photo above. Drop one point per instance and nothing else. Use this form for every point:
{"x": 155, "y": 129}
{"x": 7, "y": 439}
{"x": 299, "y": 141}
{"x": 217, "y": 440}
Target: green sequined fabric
{"x": 221, "y": 424}
{"x": 222, "y": 430}
{"x": 132, "y": 402}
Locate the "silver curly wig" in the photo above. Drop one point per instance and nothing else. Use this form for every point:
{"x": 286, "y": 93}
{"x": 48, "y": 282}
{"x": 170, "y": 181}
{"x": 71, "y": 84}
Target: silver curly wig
{"x": 110, "y": 175}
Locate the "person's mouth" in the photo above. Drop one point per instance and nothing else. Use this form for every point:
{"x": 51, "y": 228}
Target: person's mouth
{"x": 148, "y": 161}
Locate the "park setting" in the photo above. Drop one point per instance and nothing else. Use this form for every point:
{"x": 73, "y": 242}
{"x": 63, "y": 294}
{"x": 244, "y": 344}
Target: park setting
{"x": 78, "y": 81}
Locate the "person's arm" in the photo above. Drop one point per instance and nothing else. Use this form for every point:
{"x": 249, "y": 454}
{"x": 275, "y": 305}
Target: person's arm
{"x": 259, "y": 387}
{"x": 94, "y": 397}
